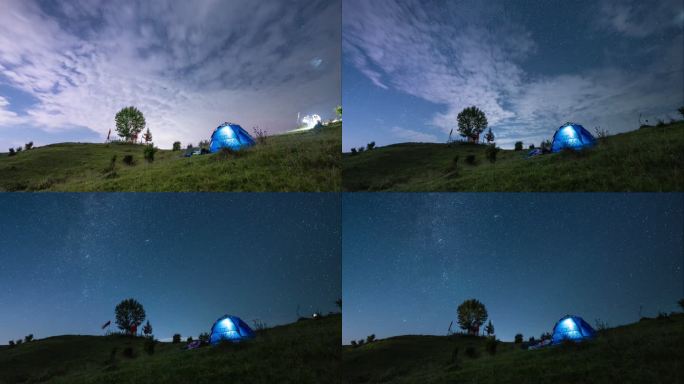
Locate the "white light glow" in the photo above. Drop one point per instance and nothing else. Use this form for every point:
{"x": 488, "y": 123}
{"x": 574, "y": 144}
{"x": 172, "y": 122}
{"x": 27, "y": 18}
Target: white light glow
{"x": 310, "y": 121}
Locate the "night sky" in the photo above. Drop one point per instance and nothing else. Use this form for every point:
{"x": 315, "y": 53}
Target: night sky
{"x": 66, "y": 260}
{"x": 409, "y": 67}
{"x": 409, "y": 259}
{"x": 66, "y": 68}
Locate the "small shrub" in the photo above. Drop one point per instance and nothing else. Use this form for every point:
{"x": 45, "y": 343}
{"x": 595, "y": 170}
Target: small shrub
{"x": 353, "y": 151}
{"x": 176, "y": 145}
{"x": 189, "y": 340}
{"x": 189, "y": 146}
{"x": 471, "y": 352}
{"x": 28, "y": 145}
{"x": 660, "y": 123}
{"x": 354, "y": 344}
{"x": 545, "y": 336}
{"x": 204, "y": 338}
{"x": 28, "y": 338}
{"x": 518, "y": 338}
{"x": 662, "y": 315}
{"x": 361, "y": 342}
{"x": 18, "y": 149}
{"x": 259, "y": 135}
{"x": 532, "y": 340}
{"x": 490, "y": 345}
{"x": 370, "y": 146}
{"x": 491, "y": 152}
{"x": 149, "y": 152}
{"x": 112, "y": 165}
{"x": 176, "y": 338}
{"x": 601, "y": 325}
{"x": 518, "y": 145}
{"x": 19, "y": 341}
{"x": 149, "y": 345}
{"x": 11, "y": 344}
{"x": 470, "y": 159}
{"x": 12, "y": 152}
{"x": 370, "y": 338}
{"x": 128, "y": 352}
{"x": 531, "y": 146}
{"x": 361, "y": 149}
{"x": 204, "y": 144}
{"x": 128, "y": 160}
{"x": 227, "y": 153}
{"x": 258, "y": 325}
{"x": 600, "y": 133}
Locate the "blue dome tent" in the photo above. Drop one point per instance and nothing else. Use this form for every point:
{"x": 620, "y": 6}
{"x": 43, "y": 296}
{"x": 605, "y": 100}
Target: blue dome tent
{"x": 572, "y": 328}
{"x": 228, "y": 135}
{"x": 230, "y": 328}
{"x": 572, "y": 136}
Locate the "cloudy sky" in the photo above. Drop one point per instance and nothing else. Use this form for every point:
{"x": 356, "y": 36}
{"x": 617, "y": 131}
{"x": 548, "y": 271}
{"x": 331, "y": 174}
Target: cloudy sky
{"x": 66, "y": 68}
{"x": 409, "y": 259}
{"x": 410, "y": 67}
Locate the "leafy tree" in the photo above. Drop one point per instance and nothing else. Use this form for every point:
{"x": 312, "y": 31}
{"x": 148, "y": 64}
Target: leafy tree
{"x": 545, "y": 336}
{"x": 471, "y": 122}
{"x": 19, "y": 341}
{"x": 28, "y": 145}
{"x": 490, "y": 136}
{"x": 353, "y": 343}
{"x": 471, "y": 315}
{"x": 531, "y": 146}
{"x": 176, "y": 145}
{"x": 28, "y": 338}
{"x": 204, "y": 338}
{"x": 370, "y": 338}
{"x": 361, "y": 149}
{"x": 147, "y": 329}
{"x": 353, "y": 151}
{"x": 204, "y": 144}
{"x": 370, "y": 146}
{"x": 518, "y": 338}
{"x": 18, "y": 149}
{"x": 189, "y": 339}
{"x": 11, "y": 152}
{"x": 489, "y": 329}
{"x": 147, "y": 136}
{"x": 338, "y": 111}
{"x": 129, "y": 123}
{"x": 545, "y": 145}
{"x": 361, "y": 342}
{"x": 189, "y": 146}
{"x": 176, "y": 338}
{"x": 11, "y": 343}
{"x": 519, "y": 146}
{"x": 129, "y": 312}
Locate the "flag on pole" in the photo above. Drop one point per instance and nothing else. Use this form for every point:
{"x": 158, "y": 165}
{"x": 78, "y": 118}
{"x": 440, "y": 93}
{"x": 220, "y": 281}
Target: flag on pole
{"x": 106, "y": 324}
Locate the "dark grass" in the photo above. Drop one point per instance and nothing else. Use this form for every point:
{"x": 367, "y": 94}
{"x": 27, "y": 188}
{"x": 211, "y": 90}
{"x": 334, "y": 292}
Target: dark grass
{"x": 649, "y": 159}
{"x": 304, "y": 161}
{"x": 646, "y": 352}
{"x": 303, "y": 352}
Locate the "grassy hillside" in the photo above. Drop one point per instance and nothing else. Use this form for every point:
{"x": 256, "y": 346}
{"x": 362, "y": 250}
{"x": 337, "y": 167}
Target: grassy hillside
{"x": 303, "y": 352}
{"x": 303, "y": 161}
{"x": 646, "y": 352}
{"x": 649, "y": 159}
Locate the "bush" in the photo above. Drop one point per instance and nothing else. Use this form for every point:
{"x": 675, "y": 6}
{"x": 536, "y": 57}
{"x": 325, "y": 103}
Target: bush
{"x": 176, "y": 338}
{"x": 490, "y": 345}
{"x": 518, "y": 145}
{"x": 19, "y": 341}
{"x": 531, "y": 146}
{"x": 149, "y": 152}
{"x": 258, "y": 325}
{"x": 370, "y": 338}
{"x": 601, "y": 325}
{"x": 532, "y": 340}
{"x": 370, "y": 146}
{"x": 353, "y": 343}
{"x": 660, "y": 123}
{"x": 189, "y": 146}
{"x": 28, "y": 145}
{"x": 189, "y": 340}
{"x": 227, "y": 153}
{"x": 518, "y": 338}
{"x": 361, "y": 342}
{"x": 176, "y": 145}
{"x": 662, "y": 316}
{"x": 11, "y": 343}
{"x": 149, "y": 345}
{"x": 18, "y": 149}
{"x": 471, "y": 352}
{"x": 259, "y": 135}
{"x": 491, "y": 152}
{"x": 11, "y": 152}
{"x": 128, "y": 160}
{"x": 470, "y": 159}
{"x": 28, "y": 338}
{"x": 204, "y": 338}
{"x": 681, "y": 110}
{"x": 681, "y": 303}
{"x": 361, "y": 149}
{"x": 353, "y": 151}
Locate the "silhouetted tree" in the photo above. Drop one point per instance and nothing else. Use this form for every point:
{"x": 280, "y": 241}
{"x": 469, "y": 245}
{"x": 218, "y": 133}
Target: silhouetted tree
{"x": 176, "y": 145}
{"x": 28, "y": 145}
{"x": 353, "y": 343}
{"x": 471, "y": 122}
{"x": 176, "y": 338}
{"x": 681, "y": 303}
{"x": 189, "y": 339}
{"x": 204, "y": 338}
{"x": 490, "y": 136}
{"x": 370, "y": 146}
{"x": 471, "y": 315}
{"x": 518, "y": 338}
{"x": 28, "y": 338}
{"x": 519, "y": 145}
{"x": 531, "y": 146}
{"x": 147, "y": 329}
{"x": 370, "y": 338}
{"x": 19, "y": 341}
{"x": 147, "y": 136}
{"x": 489, "y": 329}
{"x": 12, "y": 152}
{"x": 353, "y": 151}
{"x": 681, "y": 110}
{"x": 129, "y": 123}
{"x": 338, "y": 302}
{"x": 129, "y": 312}
{"x": 11, "y": 343}
{"x": 491, "y": 152}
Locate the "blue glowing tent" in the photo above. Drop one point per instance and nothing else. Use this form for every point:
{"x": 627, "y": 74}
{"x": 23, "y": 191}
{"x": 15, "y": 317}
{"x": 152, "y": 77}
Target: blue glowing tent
{"x": 572, "y": 136}
{"x": 572, "y": 328}
{"x": 230, "y": 328}
{"x": 228, "y": 135}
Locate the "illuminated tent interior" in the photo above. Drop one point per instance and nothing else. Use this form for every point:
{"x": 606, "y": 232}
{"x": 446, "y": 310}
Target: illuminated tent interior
{"x": 230, "y": 328}
{"x": 572, "y": 328}
{"x": 228, "y": 135}
{"x": 572, "y": 136}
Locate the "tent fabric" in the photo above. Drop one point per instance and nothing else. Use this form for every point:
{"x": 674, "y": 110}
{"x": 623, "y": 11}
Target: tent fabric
{"x": 230, "y": 328}
{"x": 572, "y": 328}
{"x": 572, "y": 136}
{"x": 228, "y": 135}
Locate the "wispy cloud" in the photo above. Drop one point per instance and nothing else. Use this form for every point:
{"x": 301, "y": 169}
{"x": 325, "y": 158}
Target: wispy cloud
{"x": 412, "y": 135}
{"x": 469, "y": 54}
{"x": 187, "y": 65}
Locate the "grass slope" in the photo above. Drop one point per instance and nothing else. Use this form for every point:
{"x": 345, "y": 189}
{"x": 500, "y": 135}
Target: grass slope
{"x": 649, "y": 159}
{"x": 302, "y": 161}
{"x": 303, "y": 352}
{"x": 646, "y": 352}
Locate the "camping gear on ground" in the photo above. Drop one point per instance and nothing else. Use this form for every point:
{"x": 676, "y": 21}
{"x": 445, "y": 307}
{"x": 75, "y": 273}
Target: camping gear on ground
{"x": 232, "y": 136}
{"x": 194, "y": 344}
{"x": 535, "y": 152}
{"x": 230, "y": 328}
{"x": 572, "y": 136}
{"x": 572, "y": 328}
